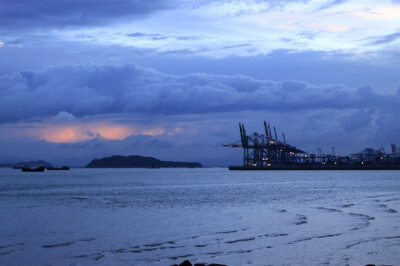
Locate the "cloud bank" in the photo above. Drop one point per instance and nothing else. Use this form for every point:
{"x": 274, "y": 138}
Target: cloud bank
{"x": 97, "y": 90}
{"x": 26, "y": 14}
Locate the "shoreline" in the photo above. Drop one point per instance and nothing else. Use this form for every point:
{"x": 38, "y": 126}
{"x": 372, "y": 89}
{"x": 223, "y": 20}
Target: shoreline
{"x": 317, "y": 167}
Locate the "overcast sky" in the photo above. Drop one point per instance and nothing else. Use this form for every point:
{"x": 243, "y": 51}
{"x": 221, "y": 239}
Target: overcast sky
{"x": 172, "y": 79}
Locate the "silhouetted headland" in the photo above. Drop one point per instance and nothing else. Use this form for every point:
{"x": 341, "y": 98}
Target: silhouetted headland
{"x": 137, "y": 161}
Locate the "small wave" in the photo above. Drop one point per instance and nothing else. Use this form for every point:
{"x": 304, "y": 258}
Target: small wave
{"x": 240, "y": 240}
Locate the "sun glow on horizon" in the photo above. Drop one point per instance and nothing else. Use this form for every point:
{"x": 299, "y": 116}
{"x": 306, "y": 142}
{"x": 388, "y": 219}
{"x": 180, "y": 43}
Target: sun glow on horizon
{"x": 74, "y": 131}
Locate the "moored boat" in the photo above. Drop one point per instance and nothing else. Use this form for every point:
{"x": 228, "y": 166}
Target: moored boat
{"x": 58, "y": 168}
{"x": 28, "y": 169}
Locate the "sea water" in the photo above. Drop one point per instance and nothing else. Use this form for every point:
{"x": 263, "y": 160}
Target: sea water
{"x": 210, "y": 215}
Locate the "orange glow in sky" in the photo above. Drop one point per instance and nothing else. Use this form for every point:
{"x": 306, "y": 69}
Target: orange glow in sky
{"x": 114, "y": 132}
{"x": 57, "y": 133}
{"x": 63, "y": 134}
{"x": 154, "y": 132}
{"x": 82, "y": 132}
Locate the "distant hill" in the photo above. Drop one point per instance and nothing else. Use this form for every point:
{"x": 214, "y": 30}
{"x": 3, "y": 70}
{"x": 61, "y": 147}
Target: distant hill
{"x": 136, "y": 161}
{"x": 30, "y": 164}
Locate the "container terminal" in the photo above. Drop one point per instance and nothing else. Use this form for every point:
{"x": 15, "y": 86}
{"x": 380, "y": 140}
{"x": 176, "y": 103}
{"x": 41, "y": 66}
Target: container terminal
{"x": 267, "y": 152}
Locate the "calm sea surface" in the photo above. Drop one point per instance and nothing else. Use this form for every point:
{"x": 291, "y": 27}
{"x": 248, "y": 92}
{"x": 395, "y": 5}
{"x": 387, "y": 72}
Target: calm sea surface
{"x": 164, "y": 216}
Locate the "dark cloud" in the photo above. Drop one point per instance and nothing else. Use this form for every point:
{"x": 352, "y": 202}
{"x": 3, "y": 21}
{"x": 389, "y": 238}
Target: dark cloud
{"x": 309, "y": 35}
{"x": 152, "y": 36}
{"x": 203, "y": 49}
{"x": 331, "y": 4}
{"x": 388, "y": 127}
{"x": 235, "y": 46}
{"x": 13, "y": 42}
{"x": 97, "y": 90}
{"x": 147, "y": 142}
{"x": 157, "y": 37}
{"x": 360, "y": 119}
{"x": 62, "y": 13}
{"x": 385, "y": 39}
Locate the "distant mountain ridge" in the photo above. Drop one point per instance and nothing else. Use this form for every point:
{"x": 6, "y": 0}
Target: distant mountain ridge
{"x": 30, "y": 164}
{"x": 137, "y": 161}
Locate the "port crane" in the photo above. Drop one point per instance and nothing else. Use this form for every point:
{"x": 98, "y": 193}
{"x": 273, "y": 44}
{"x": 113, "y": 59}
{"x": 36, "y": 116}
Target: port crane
{"x": 266, "y": 149}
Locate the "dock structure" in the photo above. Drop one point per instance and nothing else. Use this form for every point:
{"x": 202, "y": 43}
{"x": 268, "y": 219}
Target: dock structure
{"x": 262, "y": 150}
{"x": 266, "y": 151}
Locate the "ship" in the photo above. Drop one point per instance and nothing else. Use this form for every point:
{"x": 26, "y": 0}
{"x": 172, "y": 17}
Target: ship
{"x": 29, "y": 169}
{"x": 58, "y": 168}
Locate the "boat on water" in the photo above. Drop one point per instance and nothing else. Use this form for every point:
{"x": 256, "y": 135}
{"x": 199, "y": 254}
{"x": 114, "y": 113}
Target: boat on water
{"x": 58, "y": 168}
{"x": 29, "y": 169}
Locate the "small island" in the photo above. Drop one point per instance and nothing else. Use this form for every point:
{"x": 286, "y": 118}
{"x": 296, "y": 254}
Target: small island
{"x": 137, "y": 161}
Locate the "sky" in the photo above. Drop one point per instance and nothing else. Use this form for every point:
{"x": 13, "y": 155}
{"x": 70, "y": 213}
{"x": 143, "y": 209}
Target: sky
{"x": 172, "y": 79}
